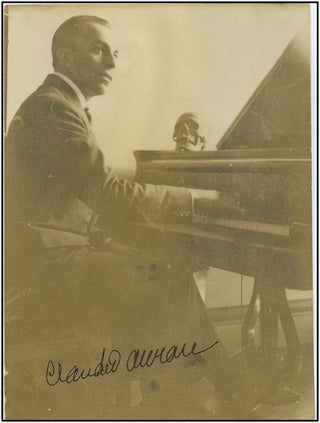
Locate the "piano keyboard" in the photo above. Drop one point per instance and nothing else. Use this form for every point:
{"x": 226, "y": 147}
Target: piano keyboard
{"x": 267, "y": 228}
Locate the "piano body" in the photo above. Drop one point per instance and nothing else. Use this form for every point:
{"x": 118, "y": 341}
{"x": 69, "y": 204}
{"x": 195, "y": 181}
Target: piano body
{"x": 264, "y": 160}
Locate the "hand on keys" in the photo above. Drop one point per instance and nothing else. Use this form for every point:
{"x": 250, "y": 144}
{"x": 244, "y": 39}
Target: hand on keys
{"x": 216, "y": 204}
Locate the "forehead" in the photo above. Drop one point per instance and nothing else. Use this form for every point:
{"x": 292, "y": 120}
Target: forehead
{"x": 187, "y": 118}
{"x": 93, "y": 32}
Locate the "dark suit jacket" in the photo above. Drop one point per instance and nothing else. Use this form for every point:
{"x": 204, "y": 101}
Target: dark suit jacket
{"x": 56, "y": 174}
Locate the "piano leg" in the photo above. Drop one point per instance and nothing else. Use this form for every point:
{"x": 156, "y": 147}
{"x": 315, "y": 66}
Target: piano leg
{"x": 268, "y": 318}
{"x": 248, "y": 331}
{"x": 269, "y": 300}
{"x": 274, "y": 304}
{"x": 294, "y": 357}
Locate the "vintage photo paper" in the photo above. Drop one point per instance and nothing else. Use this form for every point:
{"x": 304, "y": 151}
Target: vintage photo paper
{"x": 158, "y": 212}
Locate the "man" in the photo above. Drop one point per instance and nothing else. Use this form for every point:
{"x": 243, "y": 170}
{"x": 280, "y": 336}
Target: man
{"x": 189, "y": 133}
{"x": 71, "y": 290}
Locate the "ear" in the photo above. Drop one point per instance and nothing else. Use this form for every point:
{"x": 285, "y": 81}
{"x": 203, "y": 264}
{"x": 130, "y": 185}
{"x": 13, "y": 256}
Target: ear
{"x": 65, "y": 56}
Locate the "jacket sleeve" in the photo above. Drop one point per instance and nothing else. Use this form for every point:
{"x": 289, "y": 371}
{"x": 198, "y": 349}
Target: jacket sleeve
{"x": 75, "y": 163}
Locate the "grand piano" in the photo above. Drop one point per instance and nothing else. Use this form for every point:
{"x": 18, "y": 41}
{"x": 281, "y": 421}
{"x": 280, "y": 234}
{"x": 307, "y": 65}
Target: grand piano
{"x": 264, "y": 161}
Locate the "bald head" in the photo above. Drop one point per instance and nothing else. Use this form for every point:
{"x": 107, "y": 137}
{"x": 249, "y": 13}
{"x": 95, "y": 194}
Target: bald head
{"x": 189, "y": 133}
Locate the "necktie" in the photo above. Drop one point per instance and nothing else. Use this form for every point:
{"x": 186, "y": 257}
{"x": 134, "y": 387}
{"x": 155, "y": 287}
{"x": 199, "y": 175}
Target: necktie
{"x": 86, "y": 109}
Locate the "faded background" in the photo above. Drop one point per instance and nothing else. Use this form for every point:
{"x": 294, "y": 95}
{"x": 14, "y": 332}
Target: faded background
{"x": 174, "y": 58}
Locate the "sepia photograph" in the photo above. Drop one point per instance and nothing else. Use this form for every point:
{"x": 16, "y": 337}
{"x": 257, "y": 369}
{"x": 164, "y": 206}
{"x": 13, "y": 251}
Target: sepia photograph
{"x": 159, "y": 228}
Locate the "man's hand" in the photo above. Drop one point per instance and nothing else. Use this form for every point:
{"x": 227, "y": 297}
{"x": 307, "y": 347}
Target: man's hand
{"x": 215, "y": 203}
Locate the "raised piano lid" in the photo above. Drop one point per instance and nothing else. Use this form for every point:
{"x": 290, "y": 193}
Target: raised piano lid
{"x": 264, "y": 158}
{"x": 275, "y": 121}
{"x": 277, "y": 114}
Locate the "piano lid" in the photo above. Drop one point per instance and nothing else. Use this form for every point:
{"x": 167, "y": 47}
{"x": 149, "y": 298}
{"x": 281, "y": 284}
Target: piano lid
{"x": 278, "y": 114}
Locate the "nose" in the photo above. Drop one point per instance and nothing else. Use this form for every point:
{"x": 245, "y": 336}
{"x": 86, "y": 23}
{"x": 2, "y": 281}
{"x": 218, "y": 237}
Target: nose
{"x": 109, "y": 62}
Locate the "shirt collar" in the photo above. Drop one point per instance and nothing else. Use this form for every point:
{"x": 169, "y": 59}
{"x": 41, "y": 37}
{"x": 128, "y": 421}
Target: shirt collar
{"x": 75, "y": 88}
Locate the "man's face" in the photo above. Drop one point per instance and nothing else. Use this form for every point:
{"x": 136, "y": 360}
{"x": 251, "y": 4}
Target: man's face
{"x": 91, "y": 60}
{"x": 186, "y": 133}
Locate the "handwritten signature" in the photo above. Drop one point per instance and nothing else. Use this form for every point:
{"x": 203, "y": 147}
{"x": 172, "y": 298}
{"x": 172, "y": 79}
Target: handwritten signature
{"x": 106, "y": 366}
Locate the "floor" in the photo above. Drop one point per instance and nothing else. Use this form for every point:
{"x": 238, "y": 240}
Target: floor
{"x": 249, "y": 381}
{"x": 304, "y": 384}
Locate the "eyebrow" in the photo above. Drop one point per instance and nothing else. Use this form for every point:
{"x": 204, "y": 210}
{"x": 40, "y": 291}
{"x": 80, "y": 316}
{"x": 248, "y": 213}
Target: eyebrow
{"x": 96, "y": 42}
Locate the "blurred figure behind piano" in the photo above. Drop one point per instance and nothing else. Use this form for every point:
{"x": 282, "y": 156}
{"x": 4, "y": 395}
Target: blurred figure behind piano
{"x": 190, "y": 133}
